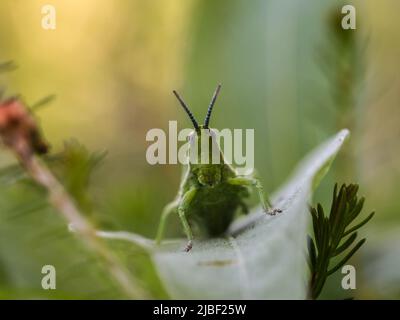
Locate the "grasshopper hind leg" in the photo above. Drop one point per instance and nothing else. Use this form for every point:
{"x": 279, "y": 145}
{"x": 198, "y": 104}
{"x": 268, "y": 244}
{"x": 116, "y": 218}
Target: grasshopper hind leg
{"x": 169, "y": 208}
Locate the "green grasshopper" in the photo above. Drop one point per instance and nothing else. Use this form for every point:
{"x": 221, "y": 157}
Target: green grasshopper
{"x": 210, "y": 193}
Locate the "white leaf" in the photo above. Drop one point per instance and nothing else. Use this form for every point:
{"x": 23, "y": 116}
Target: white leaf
{"x": 262, "y": 258}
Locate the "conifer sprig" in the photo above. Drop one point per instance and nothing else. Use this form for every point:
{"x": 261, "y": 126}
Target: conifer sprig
{"x": 333, "y": 235}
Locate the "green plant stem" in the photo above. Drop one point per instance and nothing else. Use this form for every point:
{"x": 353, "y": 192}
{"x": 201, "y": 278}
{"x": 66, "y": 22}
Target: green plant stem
{"x": 64, "y": 204}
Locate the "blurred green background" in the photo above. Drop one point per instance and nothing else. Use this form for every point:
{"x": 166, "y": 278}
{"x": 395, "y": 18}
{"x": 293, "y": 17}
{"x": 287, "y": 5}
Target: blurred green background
{"x": 287, "y": 70}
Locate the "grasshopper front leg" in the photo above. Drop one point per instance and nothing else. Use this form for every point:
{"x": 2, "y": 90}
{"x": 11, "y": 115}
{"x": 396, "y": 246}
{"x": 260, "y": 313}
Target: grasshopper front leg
{"x": 254, "y": 182}
{"x": 182, "y": 208}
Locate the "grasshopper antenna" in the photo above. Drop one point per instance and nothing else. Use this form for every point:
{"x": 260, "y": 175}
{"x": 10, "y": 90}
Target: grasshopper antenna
{"x": 183, "y": 104}
{"x": 210, "y": 107}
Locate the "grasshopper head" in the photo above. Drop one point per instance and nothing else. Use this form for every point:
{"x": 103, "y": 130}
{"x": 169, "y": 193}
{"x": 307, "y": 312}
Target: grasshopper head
{"x": 209, "y": 175}
{"x": 204, "y": 151}
{"x": 204, "y": 156}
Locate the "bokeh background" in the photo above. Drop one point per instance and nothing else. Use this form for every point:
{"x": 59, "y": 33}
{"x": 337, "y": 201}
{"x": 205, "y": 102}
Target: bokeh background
{"x": 287, "y": 70}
